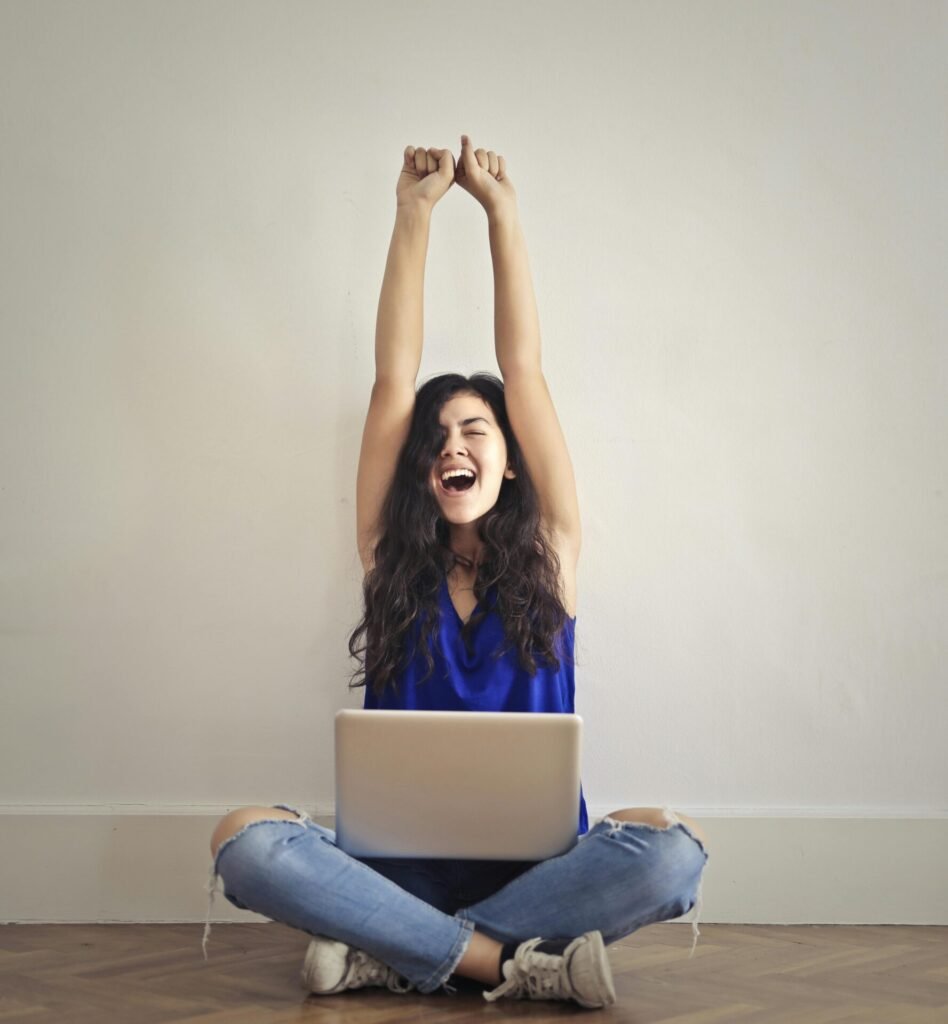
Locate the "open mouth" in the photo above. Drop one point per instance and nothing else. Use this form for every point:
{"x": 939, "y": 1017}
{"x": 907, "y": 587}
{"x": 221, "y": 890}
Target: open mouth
{"x": 457, "y": 482}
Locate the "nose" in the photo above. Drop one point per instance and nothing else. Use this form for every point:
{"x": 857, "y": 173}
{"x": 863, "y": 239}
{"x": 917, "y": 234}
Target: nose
{"x": 455, "y": 445}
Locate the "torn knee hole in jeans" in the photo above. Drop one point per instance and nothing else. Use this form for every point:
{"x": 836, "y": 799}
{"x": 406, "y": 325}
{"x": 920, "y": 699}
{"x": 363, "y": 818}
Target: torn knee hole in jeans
{"x": 671, "y": 820}
{"x": 213, "y": 877}
{"x": 615, "y": 824}
{"x": 301, "y": 819}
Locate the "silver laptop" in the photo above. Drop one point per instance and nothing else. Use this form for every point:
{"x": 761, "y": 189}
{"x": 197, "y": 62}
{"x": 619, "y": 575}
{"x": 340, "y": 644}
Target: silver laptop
{"x": 477, "y": 785}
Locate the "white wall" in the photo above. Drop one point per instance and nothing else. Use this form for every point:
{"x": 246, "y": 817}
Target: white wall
{"x": 736, "y": 221}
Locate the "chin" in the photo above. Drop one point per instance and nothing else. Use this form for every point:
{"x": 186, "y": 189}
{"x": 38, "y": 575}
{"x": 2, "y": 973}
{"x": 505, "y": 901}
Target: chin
{"x": 461, "y": 516}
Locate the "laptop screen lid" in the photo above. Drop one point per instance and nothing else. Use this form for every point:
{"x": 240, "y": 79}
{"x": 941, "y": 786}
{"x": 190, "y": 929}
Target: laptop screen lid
{"x": 478, "y": 785}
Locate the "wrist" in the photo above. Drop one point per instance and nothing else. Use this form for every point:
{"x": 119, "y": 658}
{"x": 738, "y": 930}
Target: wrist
{"x": 502, "y": 213}
{"x": 413, "y": 209}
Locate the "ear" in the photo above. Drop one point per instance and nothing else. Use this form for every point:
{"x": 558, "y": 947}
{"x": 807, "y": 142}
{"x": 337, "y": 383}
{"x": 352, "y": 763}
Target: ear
{"x": 509, "y": 474}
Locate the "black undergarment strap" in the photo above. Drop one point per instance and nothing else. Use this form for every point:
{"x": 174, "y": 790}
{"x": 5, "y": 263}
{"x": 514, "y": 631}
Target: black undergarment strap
{"x": 468, "y": 563}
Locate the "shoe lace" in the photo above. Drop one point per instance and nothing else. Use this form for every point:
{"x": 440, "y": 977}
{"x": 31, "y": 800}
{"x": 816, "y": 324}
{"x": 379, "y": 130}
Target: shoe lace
{"x": 366, "y": 970}
{"x": 533, "y": 975}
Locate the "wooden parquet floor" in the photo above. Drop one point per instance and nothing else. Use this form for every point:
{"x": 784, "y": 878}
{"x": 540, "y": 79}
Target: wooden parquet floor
{"x": 151, "y": 974}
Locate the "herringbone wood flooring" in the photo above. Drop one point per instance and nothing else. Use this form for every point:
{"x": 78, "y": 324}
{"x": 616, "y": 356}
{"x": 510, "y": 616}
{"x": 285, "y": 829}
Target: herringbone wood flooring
{"x": 146, "y": 974}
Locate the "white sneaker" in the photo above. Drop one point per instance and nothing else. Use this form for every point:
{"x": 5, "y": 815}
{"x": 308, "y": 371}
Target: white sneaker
{"x": 331, "y": 966}
{"x": 576, "y": 969}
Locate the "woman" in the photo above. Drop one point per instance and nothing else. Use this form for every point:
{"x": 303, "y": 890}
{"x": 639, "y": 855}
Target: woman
{"x": 469, "y": 534}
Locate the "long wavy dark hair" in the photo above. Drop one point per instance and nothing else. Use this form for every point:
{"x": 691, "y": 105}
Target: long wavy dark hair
{"x": 412, "y": 554}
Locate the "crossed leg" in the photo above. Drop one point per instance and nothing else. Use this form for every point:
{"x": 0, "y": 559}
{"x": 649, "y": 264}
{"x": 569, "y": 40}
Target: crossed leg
{"x": 482, "y": 958}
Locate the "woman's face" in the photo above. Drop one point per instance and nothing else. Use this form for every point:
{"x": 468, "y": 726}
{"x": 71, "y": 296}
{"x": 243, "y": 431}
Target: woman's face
{"x": 472, "y": 440}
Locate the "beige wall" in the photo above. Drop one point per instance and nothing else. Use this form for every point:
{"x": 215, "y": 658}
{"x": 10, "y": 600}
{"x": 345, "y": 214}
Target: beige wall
{"x": 736, "y": 222}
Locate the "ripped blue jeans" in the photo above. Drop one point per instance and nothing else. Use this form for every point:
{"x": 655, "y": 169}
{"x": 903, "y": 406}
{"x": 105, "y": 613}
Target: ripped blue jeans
{"x": 417, "y": 915}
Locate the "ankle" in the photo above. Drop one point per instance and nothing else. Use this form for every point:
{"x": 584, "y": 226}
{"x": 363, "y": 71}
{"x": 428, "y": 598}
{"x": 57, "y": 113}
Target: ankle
{"x": 481, "y": 960}
{"x": 507, "y": 953}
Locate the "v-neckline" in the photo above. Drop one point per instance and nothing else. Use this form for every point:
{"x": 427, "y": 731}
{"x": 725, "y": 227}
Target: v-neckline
{"x": 457, "y": 614}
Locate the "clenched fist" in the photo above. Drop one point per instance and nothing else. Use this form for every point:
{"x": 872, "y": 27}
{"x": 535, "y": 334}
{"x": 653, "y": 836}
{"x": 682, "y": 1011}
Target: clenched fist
{"x": 484, "y": 175}
{"x": 425, "y": 177}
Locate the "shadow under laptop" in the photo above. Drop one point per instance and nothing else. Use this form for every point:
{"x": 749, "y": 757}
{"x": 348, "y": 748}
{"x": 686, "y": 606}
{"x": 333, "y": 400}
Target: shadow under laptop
{"x": 448, "y": 884}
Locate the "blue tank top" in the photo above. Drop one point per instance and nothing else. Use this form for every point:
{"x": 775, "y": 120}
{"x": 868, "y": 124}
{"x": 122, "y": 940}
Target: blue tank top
{"x": 474, "y": 680}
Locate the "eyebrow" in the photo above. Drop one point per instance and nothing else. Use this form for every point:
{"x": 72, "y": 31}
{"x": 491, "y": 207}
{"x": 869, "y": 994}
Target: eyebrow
{"x": 472, "y": 419}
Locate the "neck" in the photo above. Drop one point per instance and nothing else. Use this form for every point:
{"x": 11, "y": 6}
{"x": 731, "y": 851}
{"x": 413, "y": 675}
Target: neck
{"x": 466, "y": 542}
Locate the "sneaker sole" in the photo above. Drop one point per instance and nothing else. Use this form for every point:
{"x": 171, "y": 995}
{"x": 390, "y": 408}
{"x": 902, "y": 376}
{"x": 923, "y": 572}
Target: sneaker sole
{"x": 597, "y": 970}
{"x": 324, "y": 957}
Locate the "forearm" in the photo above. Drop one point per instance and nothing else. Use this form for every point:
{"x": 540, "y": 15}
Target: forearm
{"x": 399, "y": 328}
{"x": 516, "y": 321}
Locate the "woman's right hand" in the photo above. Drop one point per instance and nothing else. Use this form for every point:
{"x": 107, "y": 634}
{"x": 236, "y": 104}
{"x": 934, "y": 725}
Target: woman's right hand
{"x": 426, "y": 176}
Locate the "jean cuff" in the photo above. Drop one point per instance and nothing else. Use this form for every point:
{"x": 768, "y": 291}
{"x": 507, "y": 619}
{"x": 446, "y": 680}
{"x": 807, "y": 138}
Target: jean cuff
{"x": 454, "y": 957}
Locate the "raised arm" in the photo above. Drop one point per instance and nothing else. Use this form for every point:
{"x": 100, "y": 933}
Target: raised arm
{"x": 529, "y": 404}
{"x": 517, "y": 342}
{"x": 425, "y": 177}
{"x": 516, "y": 333}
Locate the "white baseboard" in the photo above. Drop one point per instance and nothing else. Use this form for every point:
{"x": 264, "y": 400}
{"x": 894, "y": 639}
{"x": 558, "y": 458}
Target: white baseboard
{"x": 111, "y": 864}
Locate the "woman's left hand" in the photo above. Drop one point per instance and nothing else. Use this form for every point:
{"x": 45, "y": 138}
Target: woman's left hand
{"x": 484, "y": 175}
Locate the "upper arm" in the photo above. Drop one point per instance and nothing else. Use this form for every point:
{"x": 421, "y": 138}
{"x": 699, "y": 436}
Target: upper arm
{"x": 386, "y": 428}
{"x": 535, "y": 425}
